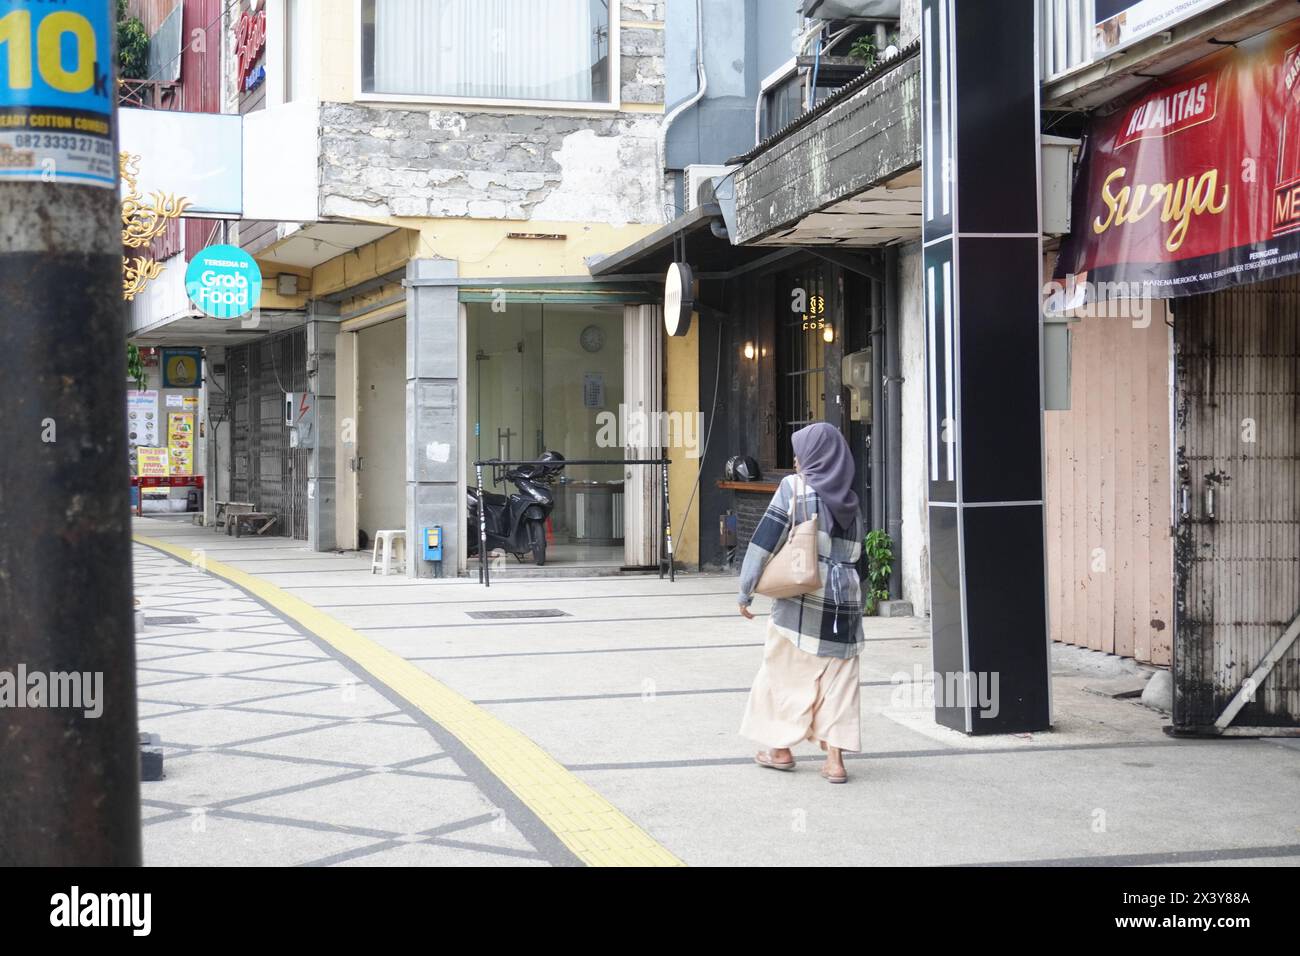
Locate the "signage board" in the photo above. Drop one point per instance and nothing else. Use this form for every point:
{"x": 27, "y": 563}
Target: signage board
{"x": 1119, "y": 23}
{"x": 182, "y": 368}
{"x": 151, "y": 462}
{"x": 1195, "y": 185}
{"x": 180, "y": 443}
{"x": 196, "y": 155}
{"x": 224, "y": 282}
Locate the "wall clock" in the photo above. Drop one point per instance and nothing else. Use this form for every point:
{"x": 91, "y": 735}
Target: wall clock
{"x": 592, "y": 338}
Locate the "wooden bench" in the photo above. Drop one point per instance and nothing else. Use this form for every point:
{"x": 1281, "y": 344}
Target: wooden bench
{"x": 227, "y": 508}
{"x": 249, "y": 520}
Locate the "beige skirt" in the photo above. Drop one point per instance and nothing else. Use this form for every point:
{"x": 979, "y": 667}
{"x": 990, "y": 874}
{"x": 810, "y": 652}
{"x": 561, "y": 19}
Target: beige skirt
{"x": 800, "y": 696}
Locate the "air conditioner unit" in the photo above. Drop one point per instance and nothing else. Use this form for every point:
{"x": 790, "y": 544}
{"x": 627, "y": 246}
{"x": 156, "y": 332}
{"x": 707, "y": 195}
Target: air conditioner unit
{"x": 695, "y": 177}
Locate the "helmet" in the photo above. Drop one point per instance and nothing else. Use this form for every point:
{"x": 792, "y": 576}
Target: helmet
{"x": 741, "y": 468}
{"x": 554, "y": 463}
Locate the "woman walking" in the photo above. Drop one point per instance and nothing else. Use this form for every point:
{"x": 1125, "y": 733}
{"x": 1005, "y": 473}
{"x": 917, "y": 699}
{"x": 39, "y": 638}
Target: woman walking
{"x": 807, "y": 688}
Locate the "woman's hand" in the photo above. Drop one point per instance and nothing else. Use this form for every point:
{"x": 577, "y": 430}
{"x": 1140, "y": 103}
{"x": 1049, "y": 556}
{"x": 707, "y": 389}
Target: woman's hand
{"x": 744, "y": 612}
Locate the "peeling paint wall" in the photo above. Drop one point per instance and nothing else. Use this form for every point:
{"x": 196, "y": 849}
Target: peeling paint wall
{"x": 380, "y": 161}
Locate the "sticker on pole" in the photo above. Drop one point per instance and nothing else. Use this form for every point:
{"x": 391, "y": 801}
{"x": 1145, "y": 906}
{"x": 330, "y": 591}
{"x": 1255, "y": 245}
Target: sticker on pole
{"x": 224, "y": 282}
{"x": 56, "y": 89}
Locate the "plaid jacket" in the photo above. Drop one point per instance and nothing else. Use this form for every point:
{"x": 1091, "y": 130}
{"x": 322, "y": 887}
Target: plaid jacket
{"x": 826, "y": 622}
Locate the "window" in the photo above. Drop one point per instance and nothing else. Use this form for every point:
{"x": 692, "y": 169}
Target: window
{"x": 545, "y": 50}
{"x": 297, "y": 50}
{"x": 802, "y": 320}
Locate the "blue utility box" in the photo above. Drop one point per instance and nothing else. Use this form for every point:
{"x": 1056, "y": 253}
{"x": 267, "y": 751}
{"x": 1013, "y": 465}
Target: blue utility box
{"x": 432, "y": 543}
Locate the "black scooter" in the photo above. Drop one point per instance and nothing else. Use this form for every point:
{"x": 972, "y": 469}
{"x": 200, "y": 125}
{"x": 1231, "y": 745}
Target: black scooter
{"x": 517, "y": 524}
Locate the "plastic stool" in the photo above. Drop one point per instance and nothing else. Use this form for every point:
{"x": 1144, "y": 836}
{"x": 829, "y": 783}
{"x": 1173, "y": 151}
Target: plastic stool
{"x": 387, "y": 538}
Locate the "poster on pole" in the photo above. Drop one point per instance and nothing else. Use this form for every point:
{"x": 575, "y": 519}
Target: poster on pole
{"x": 56, "y": 89}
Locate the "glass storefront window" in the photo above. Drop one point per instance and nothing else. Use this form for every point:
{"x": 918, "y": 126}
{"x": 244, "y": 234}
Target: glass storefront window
{"x": 546, "y": 378}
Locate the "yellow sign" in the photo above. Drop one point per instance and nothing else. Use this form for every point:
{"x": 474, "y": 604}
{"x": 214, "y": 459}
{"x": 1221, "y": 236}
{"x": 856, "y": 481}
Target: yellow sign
{"x": 182, "y": 371}
{"x": 180, "y": 443}
{"x": 151, "y": 462}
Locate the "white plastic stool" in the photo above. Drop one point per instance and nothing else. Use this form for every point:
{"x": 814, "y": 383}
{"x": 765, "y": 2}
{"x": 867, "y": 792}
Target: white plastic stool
{"x": 387, "y": 538}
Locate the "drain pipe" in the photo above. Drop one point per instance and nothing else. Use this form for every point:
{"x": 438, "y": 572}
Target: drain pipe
{"x": 702, "y": 84}
{"x": 894, "y": 419}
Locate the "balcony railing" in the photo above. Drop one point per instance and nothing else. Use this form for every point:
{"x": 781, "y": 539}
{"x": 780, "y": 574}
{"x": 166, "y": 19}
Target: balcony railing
{"x": 1067, "y": 35}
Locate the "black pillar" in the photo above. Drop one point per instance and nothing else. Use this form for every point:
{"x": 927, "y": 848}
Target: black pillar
{"x": 69, "y": 758}
{"x": 982, "y": 275}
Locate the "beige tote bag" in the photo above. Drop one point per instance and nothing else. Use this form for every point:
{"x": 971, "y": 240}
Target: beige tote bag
{"x": 795, "y": 569}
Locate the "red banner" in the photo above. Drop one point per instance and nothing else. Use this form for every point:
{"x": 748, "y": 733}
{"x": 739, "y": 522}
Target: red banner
{"x": 1195, "y": 185}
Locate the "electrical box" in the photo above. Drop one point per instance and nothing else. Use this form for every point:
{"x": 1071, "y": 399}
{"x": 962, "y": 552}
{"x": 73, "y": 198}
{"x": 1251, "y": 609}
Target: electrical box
{"x": 1056, "y": 364}
{"x": 432, "y": 543}
{"x": 300, "y": 418}
{"x": 855, "y": 373}
{"x": 1059, "y": 154}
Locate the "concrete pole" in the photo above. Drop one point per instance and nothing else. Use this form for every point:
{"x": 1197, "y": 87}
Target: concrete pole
{"x": 69, "y": 777}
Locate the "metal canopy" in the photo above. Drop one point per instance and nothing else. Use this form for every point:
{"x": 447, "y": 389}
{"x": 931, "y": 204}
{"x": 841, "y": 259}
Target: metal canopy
{"x": 708, "y": 254}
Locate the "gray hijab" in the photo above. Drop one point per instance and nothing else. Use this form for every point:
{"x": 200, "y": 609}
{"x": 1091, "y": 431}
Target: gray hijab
{"x": 826, "y": 463}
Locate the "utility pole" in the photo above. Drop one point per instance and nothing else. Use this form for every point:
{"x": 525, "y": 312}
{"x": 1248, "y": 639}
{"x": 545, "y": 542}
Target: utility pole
{"x": 69, "y": 777}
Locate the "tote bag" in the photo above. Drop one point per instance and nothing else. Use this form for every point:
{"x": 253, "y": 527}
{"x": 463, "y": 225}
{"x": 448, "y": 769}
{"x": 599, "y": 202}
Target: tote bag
{"x": 796, "y": 568}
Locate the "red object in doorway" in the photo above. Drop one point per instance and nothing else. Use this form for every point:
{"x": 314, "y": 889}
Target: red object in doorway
{"x": 550, "y": 532}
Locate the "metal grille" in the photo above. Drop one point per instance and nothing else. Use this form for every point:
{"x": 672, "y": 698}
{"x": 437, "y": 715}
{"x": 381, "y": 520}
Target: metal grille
{"x": 264, "y": 469}
{"x": 1238, "y": 502}
{"x": 802, "y": 379}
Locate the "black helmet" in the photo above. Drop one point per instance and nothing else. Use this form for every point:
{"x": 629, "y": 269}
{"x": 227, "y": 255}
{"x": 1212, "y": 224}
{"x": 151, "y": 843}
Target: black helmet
{"x": 741, "y": 468}
{"x": 554, "y": 463}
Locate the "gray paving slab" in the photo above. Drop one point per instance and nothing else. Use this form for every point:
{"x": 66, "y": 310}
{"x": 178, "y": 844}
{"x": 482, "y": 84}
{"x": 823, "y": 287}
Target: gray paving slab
{"x": 644, "y": 704}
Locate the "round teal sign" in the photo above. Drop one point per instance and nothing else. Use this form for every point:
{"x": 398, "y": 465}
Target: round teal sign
{"x": 224, "y": 282}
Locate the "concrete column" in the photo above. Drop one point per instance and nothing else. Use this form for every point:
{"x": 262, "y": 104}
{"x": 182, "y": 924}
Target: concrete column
{"x": 322, "y": 491}
{"x": 432, "y": 436}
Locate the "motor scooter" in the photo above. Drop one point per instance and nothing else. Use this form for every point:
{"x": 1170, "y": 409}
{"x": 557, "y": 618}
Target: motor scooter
{"x": 517, "y": 523}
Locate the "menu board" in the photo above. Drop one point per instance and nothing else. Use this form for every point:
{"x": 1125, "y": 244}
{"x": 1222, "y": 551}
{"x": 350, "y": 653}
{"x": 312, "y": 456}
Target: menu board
{"x": 180, "y": 443}
{"x": 152, "y": 462}
{"x": 142, "y": 423}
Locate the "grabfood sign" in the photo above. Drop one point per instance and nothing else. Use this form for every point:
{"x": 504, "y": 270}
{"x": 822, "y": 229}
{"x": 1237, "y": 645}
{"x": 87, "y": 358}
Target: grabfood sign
{"x": 224, "y": 282}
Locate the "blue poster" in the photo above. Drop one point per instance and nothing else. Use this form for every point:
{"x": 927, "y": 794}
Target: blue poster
{"x": 57, "y": 83}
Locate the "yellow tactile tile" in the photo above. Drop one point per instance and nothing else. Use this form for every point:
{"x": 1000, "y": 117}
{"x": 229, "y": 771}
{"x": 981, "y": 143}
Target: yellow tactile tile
{"x": 592, "y": 828}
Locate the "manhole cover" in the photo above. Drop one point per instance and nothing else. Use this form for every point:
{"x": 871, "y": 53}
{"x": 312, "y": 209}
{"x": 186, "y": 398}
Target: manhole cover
{"x": 181, "y": 619}
{"x": 518, "y": 613}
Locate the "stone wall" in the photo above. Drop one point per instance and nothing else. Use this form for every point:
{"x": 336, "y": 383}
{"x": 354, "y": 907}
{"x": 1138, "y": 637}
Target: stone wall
{"x": 380, "y": 160}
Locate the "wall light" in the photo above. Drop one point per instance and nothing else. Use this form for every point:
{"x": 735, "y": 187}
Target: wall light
{"x": 828, "y": 334}
{"x": 749, "y": 350}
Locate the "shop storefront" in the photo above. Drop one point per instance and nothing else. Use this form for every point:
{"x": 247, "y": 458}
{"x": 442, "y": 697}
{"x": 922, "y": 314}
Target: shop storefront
{"x": 1188, "y": 194}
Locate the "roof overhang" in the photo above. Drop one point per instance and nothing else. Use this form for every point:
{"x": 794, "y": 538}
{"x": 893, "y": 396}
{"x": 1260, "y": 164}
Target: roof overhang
{"x": 201, "y": 331}
{"x": 712, "y": 256}
{"x": 1116, "y": 77}
{"x": 311, "y": 244}
{"x": 844, "y": 174}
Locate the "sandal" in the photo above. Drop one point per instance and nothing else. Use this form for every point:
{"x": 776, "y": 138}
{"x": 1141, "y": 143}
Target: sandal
{"x": 764, "y": 759}
{"x": 835, "y": 778}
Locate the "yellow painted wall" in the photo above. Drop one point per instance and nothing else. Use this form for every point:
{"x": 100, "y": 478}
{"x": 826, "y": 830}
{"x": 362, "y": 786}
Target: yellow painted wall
{"x": 682, "y": 394}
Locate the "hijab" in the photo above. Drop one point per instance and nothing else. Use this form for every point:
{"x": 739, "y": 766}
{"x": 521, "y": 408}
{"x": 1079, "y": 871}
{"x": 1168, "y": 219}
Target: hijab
{"x": 826, "y": 463}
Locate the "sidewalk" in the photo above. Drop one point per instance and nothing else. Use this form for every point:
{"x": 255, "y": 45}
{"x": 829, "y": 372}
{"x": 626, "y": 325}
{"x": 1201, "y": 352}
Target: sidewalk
{"x": 284, "y": 749}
